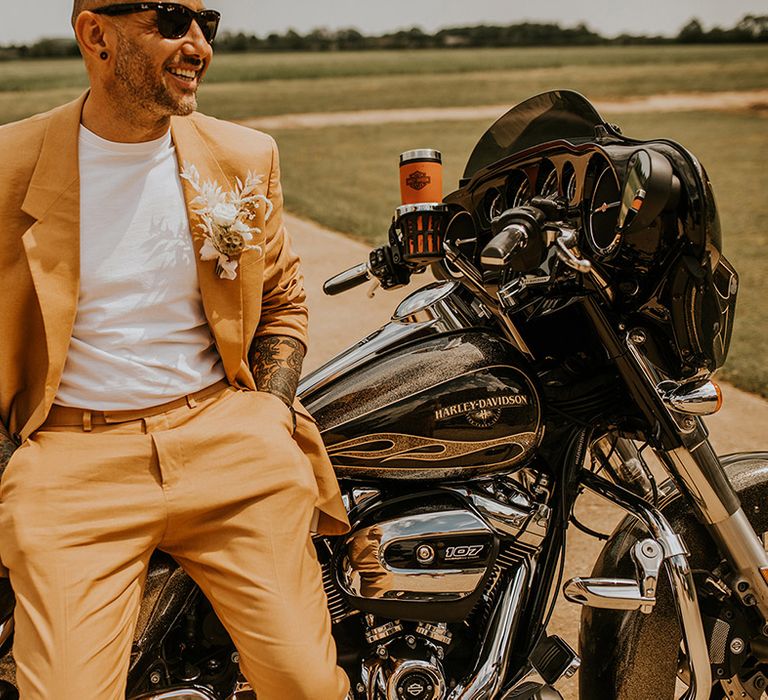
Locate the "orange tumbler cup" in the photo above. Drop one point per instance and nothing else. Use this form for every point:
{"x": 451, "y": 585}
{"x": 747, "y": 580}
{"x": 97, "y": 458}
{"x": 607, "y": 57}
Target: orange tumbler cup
{"x": 421, "y": 176}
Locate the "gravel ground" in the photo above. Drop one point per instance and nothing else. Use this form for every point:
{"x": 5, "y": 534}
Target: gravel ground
{"x": 672, "y": 102}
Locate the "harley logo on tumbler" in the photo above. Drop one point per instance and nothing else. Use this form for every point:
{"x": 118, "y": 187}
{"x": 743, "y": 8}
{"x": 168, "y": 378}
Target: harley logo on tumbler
{"x": 421, "y": 176}
{"x": 418, "y": 180}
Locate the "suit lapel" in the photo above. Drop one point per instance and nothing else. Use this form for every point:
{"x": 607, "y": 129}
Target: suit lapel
{"x": 52, "y": 243}
{"x": 222, "y": 298}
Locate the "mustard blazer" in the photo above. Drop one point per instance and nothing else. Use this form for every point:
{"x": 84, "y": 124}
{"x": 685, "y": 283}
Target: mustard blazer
{"x": 40, "y": 261}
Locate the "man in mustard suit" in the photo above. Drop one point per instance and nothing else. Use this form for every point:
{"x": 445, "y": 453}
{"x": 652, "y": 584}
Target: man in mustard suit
{"x": 152, "y": 334}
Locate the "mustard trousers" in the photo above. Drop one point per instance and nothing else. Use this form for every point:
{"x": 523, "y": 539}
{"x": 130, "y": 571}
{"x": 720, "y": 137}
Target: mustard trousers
{"x": 219, "y": 484}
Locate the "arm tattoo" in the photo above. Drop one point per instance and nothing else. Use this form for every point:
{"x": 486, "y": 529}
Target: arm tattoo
{"x": 276, "y": 362}
{"x": 7, "y": 447}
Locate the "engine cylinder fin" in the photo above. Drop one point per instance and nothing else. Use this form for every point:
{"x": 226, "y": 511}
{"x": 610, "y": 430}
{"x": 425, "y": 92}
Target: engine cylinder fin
{"x": 511, "y": 556}
{"x": 337, "y": 603}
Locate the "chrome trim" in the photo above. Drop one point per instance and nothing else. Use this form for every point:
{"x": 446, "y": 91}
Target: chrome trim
{"x": 694, "y": 640}
{"x": 419, "y": 153}
{"x": 627, "y": 462}
{"x": 649, "y": 557}
{"x": 680, "y": 576}
{"x": 701, "y": 400}
{"x": 190, "y": 693}
{"x": 485, "y": 681}
{"x": 537, "y": 528}
{"x": 404, "y": 667}
{"x": 507, "y": 519}
{"x": 523, "y": 519}
{"x": 633, "y": 339}
{"x": 566, "y": 243}
{"x": 421, "y": 206}
{"x": 608, "y": 593}
{"x": 472, "y": 280}
{"x": 382, "y": 632}
{"x": 435, "y": 632}
{"x": 362, "y": 495}
{"x": 747, "y": 556}
{"x": 530, "y": 680}
{"x": 6, "y": 630}
{"x": 429, "y": 304}
{"x": 682, "y": 463}
{"x": 660, "y": 529}
{"x": 364, "y": 571}
{"x": 451, "y": 314}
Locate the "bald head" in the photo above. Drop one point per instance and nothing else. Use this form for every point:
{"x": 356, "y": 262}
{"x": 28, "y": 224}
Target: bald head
{"x": 82, "y": 5}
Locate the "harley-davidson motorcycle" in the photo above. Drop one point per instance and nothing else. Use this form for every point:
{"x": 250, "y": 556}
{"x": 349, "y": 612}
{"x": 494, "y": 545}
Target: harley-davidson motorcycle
{"x": 583, "y": 304}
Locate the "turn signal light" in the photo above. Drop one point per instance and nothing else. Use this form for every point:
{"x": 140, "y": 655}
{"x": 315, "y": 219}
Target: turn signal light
{"x": 698, "y": 400}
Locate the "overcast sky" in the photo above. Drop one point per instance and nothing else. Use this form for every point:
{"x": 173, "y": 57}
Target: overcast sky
{"x": 29, "y": 20}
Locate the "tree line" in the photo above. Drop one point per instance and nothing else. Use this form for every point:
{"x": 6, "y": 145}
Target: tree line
{"x": 750, "y": 29}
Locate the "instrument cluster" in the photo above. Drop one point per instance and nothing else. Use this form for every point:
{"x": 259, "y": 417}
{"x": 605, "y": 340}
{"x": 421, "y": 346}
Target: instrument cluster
{"x": 586, "y": 180}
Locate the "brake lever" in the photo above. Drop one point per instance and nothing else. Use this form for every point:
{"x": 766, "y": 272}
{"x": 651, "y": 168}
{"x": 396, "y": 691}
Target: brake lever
{"x": 565, "y": 239}
{"x": 376, "y": 284}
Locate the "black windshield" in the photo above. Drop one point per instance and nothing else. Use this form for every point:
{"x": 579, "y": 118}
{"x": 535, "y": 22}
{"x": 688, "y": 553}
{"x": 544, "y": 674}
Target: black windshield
{"x": 557, "y": 115}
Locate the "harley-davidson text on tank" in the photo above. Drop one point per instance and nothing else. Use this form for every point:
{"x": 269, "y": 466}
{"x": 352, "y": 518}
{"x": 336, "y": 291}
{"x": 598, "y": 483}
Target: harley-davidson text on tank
{"x": 482, "y": 413}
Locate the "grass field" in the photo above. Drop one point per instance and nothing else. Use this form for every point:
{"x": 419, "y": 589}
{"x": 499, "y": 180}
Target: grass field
{"x": 346, "y": 178}
{"x": 246, "y": 85}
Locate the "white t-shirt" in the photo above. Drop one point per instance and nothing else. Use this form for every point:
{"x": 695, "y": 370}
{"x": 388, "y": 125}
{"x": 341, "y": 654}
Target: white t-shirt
{"x": 140, "y": 335}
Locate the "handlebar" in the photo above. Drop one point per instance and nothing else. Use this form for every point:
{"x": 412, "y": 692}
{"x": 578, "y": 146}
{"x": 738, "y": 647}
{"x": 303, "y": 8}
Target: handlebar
{"x": 497, "y": 253}
{"x": 353, "y": 277}
{"x": 384, "y": 264}
{"x": 522, "y": 239}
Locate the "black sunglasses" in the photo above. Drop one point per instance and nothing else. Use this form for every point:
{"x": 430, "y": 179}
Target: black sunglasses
{"x": 173, "y": 20}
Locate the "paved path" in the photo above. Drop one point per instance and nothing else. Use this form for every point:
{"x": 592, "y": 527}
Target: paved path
{"x": 673, "y": 102}
{"x": 337, "y": 322}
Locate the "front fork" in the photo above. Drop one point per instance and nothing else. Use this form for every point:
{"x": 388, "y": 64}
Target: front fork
{"x": 692, "y": 463}
{"x": 700, "y": 475}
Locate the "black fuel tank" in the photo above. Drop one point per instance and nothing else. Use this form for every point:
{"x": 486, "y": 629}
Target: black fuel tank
{"x": 453, "y": 405}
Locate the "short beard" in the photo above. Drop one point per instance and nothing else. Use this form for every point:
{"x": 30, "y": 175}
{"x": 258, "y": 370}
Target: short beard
{"x": 140, "y": 89}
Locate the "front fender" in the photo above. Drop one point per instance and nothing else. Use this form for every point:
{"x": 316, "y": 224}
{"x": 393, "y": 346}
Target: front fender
{"x": 627, "y": 655}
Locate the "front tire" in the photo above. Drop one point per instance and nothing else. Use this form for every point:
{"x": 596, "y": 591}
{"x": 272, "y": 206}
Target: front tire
{"x": 632, "y": 656}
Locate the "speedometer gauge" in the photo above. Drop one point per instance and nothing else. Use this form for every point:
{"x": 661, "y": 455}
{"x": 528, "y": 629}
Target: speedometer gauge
{"x": 518, "y": 190}
{"x": 603, "y": 211}
{"x": 548, "y": 187}
{"x": 491, "y": 206}
{"x": 569, "y": 183}
{"x": 497, "y": 207}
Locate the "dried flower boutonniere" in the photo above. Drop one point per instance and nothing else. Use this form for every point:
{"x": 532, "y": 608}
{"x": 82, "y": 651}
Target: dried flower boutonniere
{"x": 224, "y": 218}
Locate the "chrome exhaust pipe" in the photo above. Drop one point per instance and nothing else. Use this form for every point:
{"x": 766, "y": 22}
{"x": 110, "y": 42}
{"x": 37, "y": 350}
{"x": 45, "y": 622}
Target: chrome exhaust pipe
{"x": 488, "y": 676}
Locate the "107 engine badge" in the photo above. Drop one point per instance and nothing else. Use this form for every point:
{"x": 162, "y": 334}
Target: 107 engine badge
{"x": 470, "y": 551}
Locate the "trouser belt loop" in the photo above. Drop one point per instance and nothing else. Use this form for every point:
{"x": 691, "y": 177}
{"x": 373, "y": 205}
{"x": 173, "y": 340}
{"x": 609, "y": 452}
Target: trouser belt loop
{"x": 190, "y": 401}
{"x": 87, "y": 421}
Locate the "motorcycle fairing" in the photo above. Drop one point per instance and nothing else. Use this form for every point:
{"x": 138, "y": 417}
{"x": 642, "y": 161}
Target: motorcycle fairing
{"x": 561, "y": 130}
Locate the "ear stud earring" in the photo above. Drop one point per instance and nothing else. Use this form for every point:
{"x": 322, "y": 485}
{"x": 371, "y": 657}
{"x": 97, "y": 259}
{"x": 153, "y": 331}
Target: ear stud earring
{"x": 104, "y": 55}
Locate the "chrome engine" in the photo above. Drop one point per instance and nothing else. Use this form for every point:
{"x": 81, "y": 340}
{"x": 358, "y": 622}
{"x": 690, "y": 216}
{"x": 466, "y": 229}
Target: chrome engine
{"x": 420, "y": 571}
